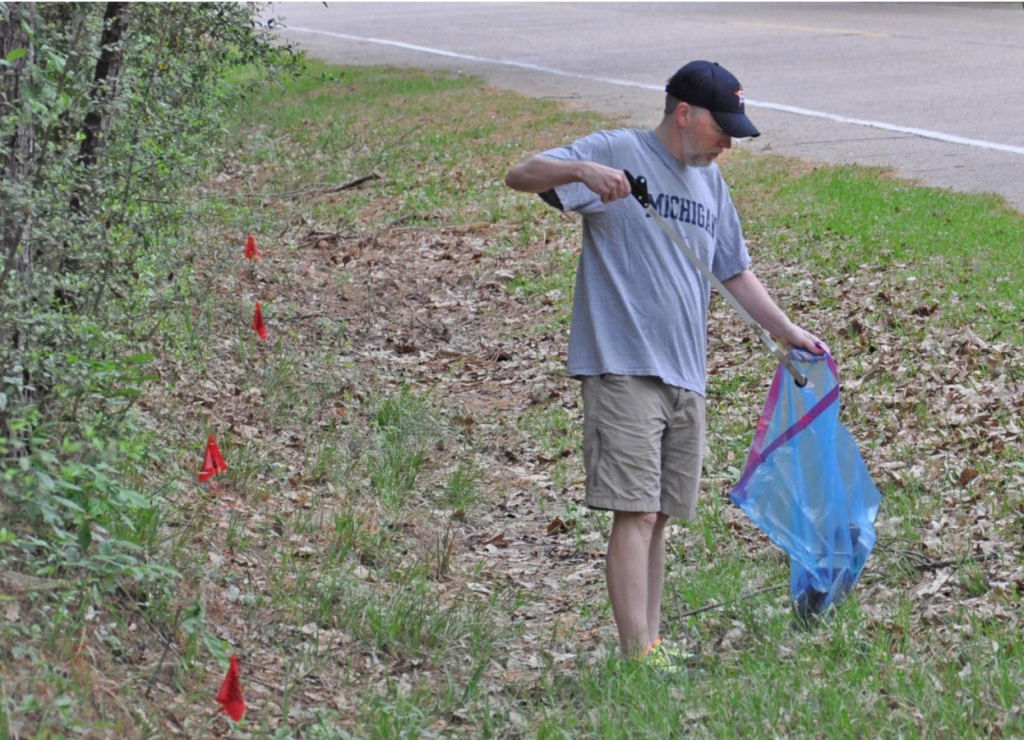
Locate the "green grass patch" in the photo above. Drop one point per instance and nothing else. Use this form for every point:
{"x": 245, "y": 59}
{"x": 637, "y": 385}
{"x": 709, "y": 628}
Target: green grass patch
{"x": 963, "y": 251}
{"x": 441, "y": 142}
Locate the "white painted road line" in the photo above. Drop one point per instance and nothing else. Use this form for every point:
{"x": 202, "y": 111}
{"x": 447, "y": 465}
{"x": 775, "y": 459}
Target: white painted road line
{"x": 923, "y": 133}
{"x": 469, "y": 57}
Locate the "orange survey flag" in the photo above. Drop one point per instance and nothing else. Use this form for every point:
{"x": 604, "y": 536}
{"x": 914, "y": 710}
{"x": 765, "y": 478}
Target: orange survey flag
{"x": 230, "y": 694}
{"x": 213, "y": 463}
{"x": 251, "y": 253}
{"x": 257, "y": 322}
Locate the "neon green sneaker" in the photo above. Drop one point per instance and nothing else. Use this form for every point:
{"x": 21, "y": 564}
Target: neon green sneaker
{"x": 660, "y": 655}
{"x": 654, "y": 657}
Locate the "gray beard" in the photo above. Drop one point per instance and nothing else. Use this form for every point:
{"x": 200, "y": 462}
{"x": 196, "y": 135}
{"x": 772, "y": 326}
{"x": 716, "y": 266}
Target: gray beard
{"x": 694, "y": 161}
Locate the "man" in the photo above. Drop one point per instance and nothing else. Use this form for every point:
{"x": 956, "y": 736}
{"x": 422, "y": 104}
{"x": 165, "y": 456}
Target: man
{"x": 639, "y": 324}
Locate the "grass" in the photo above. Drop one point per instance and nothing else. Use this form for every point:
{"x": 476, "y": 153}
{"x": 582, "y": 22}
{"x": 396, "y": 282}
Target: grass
{"x": 558, "y": 435}
{"x": 963, "y": 251}
{"x": 386, "y": 550}
{"x": 462, "y": 489}
{"x": 444, "y": 151}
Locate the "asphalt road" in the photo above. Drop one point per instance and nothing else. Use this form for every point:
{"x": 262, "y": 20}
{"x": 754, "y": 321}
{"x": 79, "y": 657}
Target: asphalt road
{"x": 933, "y": 91}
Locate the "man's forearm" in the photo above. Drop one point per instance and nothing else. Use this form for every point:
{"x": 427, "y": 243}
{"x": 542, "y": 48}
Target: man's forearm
{"x": 540, "y": 174}
{"x": 752, "y": 295}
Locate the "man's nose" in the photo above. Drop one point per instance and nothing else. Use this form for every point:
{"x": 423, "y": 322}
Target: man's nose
{"x": 726, "y": 142}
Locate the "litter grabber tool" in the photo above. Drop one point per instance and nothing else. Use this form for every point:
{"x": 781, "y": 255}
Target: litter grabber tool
{"x": 638, "y": 186}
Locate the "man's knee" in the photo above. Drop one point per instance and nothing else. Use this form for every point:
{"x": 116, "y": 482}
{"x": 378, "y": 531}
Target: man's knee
{"x": 645, "y": 521}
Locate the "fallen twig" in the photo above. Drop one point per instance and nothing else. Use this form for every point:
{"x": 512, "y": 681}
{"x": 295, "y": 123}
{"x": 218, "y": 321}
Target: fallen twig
{"x": 351, "y": 183}
{"x": 409, "y": 217}
{"x": 24, "y": 583}
{"x": 741, "y": 597}
{"x": 936, "y": 564}
{"x": 163, "y": 657}
{"x": 920, "y": 561}
{"x": 315, "y": 190}
{"x": 916, "y": 558}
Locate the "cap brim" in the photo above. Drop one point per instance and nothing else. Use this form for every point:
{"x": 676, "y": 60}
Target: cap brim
{"x": 737, "y": 125}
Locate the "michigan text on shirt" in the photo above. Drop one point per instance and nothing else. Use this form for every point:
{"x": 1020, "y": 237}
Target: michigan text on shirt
{"x": 686, "y": 211}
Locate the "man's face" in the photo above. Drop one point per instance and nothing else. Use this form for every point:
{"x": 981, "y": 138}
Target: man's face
{"x": 703, "y": 139}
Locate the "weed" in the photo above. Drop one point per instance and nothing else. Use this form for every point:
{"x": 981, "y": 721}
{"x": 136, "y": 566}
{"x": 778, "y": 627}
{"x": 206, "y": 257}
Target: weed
{"x": 462, "y": 490}
{"x": 393, "y": 471}
{"x": 443, "y": 551}
{"x": 973, "y": 580}
{"x": 406, "y": 427}
{"x": 331, "y": 463}
{"x": 248, "y": 464}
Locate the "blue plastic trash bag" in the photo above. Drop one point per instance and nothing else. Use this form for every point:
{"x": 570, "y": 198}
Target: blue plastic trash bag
{"x": 806, "y": 486}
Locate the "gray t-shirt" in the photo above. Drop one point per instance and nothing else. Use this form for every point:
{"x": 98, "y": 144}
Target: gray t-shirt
{"x": 640, "y": 307}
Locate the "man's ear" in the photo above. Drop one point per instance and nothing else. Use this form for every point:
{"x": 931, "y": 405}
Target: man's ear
{"x": 682, "y": 115}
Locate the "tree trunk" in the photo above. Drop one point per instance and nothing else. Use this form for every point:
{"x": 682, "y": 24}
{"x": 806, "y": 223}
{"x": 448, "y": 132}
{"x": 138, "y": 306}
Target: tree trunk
{"x": 18, "y": 142}
{"x": 104, "y": 84}
{"x": 97, "y": 122}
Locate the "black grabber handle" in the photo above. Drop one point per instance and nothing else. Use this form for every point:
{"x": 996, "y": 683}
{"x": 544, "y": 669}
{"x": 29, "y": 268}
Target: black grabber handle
{"x": 638, "y": 186}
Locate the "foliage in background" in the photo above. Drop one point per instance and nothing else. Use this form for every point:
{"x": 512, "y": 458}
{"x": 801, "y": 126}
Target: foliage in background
{"x": 107, "y": 116}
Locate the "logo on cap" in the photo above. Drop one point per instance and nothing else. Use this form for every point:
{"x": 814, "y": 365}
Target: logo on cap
{"x": 739, "y": 94}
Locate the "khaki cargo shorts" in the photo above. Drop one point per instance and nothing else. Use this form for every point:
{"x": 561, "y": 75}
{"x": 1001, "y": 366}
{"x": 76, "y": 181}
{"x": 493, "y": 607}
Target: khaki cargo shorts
{"x": 643, "y": 444}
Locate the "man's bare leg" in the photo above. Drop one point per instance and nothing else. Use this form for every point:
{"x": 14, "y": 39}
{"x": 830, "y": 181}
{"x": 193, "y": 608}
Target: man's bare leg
{"x": 656, "y": 577}
{"x": 629, "y": 555}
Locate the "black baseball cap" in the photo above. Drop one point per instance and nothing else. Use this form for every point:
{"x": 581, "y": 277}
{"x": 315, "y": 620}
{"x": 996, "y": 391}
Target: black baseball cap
{"x": 708, "y": 85}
